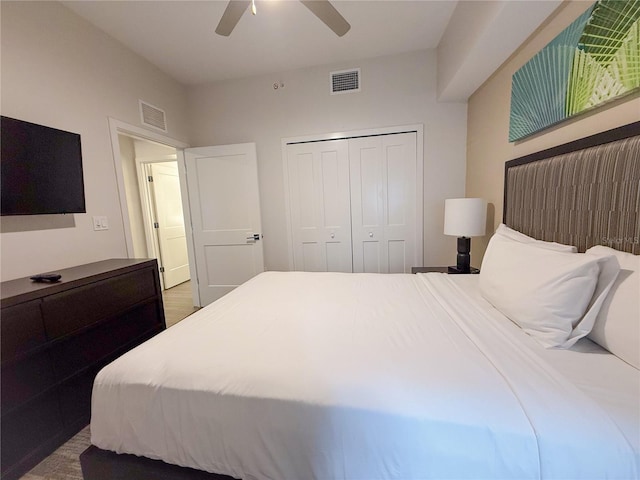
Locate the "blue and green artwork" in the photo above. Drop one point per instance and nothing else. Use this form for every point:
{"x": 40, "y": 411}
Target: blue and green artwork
{"x": 594, "y": 60}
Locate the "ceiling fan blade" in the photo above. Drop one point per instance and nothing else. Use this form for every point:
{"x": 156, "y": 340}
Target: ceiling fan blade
{"x": 231, "y": 16}
{"x": 329, "y": 15}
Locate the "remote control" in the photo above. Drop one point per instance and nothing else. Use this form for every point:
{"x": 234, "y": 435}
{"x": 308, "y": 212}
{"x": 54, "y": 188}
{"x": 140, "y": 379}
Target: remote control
{"x": 46, "y": 277}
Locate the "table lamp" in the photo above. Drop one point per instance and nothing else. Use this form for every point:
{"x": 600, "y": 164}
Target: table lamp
{"x": 464, "y": 218}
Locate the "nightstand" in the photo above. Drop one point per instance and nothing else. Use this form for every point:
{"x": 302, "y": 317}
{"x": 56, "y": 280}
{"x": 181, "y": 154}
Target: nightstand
{"x": 451, "y": 270}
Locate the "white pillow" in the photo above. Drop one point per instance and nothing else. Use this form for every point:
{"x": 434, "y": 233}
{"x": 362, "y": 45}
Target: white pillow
{"x": 553, "y": 296}
{"x": 522, "y": 238}
{"x": 617, "y": 326}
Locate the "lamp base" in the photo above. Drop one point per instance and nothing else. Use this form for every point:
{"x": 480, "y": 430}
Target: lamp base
{"x": 454, "y": 270}
{"x": 463, "y": 259}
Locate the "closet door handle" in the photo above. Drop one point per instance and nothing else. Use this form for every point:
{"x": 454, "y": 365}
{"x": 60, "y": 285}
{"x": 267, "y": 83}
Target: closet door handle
{"x": 371, "y": 234}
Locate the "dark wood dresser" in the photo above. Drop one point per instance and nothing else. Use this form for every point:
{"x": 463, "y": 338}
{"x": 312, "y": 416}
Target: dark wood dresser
{"x": 54, "y": 340}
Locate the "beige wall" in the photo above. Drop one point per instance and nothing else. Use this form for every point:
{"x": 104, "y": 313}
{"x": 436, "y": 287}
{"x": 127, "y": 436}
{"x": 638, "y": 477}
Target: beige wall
{"x": 59, "y": 71}
{"x": 488, "y": 147}
{"x": 396, "y": 90}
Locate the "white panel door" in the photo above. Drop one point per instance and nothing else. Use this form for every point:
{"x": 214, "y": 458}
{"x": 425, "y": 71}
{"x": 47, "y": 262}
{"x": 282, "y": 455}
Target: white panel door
{"x": 384, "y": 198}
{"x": 172, "y": 240}
{"x": 225, "y": 214}
{"x": 318, "y": 189}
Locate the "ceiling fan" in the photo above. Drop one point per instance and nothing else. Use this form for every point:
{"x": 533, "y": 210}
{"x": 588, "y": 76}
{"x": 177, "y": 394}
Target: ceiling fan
{"x": 320, "y": 8}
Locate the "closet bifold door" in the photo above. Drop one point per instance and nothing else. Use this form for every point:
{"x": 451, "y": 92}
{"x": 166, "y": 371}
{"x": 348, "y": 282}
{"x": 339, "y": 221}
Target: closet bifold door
{"x": 319, "y": 199}
{"x": 383, "y": 172}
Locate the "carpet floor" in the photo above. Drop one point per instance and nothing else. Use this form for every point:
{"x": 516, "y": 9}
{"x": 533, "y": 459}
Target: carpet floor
{"x": 63, "y": 464}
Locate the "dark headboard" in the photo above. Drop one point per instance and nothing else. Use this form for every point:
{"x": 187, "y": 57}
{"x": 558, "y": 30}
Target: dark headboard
{"x": 582, "y": 193}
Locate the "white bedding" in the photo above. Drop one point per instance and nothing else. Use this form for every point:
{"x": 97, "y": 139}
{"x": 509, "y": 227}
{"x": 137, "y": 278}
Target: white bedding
{"x": 296, "y": 376}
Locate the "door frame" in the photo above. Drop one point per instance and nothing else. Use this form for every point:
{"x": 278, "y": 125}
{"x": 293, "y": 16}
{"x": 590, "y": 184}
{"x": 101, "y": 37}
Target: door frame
{"x": 119, "y": 127}
{"x": 418, "y": 128}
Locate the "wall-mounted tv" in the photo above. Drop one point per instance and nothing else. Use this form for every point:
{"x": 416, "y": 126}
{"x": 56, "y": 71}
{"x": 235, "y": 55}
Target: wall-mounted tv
{"x": 40, "y": 170}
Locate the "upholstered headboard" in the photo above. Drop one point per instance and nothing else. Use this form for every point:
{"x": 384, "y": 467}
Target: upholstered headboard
{"x": 583, "y": 193}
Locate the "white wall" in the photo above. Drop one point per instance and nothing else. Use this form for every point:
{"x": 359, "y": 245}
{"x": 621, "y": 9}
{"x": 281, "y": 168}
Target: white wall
{"x": 467, "y": 25}
{"x": 488, "y": 125}
{"x": 134, "y": 204}
{"x": 150, "y": 151}
{"x": 480, "y": 37}
{"x": 59, "y": 71}
{"x": 397, "y": 90}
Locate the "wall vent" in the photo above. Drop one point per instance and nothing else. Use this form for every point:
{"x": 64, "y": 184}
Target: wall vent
{"x": 152, "y": 116}
{"x": 345, "y": 81}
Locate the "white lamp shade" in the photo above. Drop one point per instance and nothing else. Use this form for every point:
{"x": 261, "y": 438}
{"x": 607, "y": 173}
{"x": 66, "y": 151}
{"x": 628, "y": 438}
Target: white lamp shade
{"x": 465, "y": 217}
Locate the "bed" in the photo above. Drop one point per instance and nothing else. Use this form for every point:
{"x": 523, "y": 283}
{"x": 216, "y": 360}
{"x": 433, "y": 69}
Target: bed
{"x": 361, "y": 376}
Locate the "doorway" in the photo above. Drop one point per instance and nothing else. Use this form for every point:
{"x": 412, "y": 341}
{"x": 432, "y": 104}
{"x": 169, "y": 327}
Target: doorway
{"x": 154, "y": 204}
{"x": 222, "y": 223}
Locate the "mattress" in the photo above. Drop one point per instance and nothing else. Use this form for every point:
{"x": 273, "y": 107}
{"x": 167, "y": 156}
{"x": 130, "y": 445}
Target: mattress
{"x": 364, "y": 376}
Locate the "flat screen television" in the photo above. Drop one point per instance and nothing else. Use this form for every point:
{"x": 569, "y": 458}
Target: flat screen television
{"x": 40, "y": 170}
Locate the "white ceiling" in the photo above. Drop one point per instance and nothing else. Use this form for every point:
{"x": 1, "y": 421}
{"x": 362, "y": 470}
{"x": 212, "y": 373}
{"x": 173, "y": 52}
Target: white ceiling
{"x": 179, "y": 37}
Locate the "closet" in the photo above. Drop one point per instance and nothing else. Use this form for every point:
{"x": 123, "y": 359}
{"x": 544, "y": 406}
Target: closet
{"x": 354, "y": 203}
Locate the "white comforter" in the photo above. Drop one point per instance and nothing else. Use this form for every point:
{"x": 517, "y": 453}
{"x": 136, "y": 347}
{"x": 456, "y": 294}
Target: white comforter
{"x": 296, "y": 376}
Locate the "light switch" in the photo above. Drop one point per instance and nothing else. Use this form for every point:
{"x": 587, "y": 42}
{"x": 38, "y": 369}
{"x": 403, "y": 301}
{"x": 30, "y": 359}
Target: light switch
{"x": 100, "y": 223}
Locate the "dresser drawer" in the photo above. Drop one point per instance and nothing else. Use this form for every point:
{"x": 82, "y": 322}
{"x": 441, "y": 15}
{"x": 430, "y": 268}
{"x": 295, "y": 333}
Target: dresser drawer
{"x": 25, "y": 379}
{"x": 96, "y": 344}
{"x": 29, "y": 428}
{"x": 69, "y": 311}
{"x": 21, "y": 329}
{"x": 75, "y": 399}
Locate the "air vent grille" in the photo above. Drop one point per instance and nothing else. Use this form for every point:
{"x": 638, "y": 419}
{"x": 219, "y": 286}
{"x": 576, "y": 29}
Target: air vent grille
{"x": 345, "y": 81}
{"x": 153, "y": 116}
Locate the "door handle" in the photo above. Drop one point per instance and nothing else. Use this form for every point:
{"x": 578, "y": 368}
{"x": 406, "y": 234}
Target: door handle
{"x": 254, "y": 237}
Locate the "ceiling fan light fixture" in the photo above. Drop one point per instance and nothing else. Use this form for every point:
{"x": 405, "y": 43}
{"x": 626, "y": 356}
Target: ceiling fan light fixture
{"x": 327, "y": 13}
{"x": 322, "y": 9}
{"x": 231, "y": 16}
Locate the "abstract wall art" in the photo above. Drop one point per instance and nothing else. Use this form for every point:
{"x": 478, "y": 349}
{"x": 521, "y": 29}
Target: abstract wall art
{"x": 594, "y": 60}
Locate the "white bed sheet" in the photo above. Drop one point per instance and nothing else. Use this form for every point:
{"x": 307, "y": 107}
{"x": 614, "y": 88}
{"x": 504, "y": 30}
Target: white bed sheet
{"x": 360, "y": 376}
